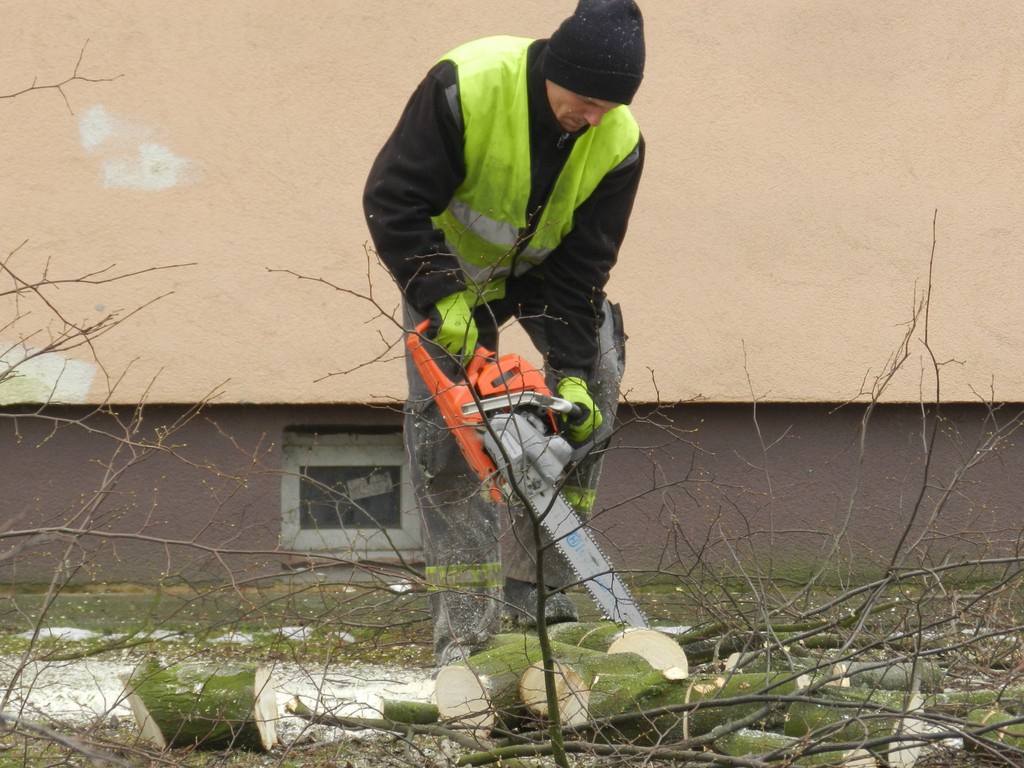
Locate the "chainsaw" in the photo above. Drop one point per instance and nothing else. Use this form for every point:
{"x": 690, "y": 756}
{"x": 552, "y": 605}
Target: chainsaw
{"x": 503, "y": 417}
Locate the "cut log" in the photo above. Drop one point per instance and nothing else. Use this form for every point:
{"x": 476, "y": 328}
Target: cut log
{"x": 660, "y": 650}
{"x": 709, "y": 692}
{"x": 777, "y": 660}
{"x": 853, "y": 714}
{"x": 409, "y": 712}
{"x": 483, "y": 691}
{"x": 855, "y": 758}
{"x": 202, "y": 706}
{"x": 862, "y": 715}
{"x": 747, "y": 742}
{"x": 589, "y": 686}
{"x": 615, "y": 686}
{"x": 994, "y": 725}
{"x": 719, "y": 648}
{"x": 959, "y": 703}
{"x": 893, "y": 676}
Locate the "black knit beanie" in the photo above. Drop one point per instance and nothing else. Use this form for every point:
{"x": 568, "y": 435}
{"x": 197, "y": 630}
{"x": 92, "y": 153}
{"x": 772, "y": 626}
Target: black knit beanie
{"x": 598, "y": 52}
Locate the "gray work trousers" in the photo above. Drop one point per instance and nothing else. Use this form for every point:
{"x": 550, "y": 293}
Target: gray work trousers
{"x": 472, "y": 544}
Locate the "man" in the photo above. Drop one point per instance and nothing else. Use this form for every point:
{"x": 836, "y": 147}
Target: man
{"x": 504, "y": 192}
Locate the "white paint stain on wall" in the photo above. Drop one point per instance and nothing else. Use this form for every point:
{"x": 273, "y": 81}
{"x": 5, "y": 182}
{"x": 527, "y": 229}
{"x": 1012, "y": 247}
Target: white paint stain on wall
{"x": 153, "y": 167}
{"x": 129, "y": 158}
{"x": 96, "y": 126}
{"x": 26, "y": 376}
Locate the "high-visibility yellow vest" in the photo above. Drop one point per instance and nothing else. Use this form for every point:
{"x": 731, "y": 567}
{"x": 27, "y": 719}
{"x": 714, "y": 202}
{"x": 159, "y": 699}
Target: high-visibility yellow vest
{"x": 485, "y": 220}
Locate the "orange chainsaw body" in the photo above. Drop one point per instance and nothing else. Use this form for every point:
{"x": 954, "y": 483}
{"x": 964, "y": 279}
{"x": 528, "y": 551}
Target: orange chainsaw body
{"x": 486, "y": 376}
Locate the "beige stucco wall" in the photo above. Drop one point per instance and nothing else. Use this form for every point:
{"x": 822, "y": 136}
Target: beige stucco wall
{"x": 798, "y": 150}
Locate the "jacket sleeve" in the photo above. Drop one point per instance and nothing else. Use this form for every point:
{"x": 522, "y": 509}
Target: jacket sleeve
{"x": 413, "y": 178}
{"x": 576, "y": 273}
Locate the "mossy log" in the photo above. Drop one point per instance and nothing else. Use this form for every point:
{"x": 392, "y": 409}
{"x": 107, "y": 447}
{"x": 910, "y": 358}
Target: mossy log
{"x": 993, "y": 725}
{"x": 209, "y": 707}
{"x": 589, "y": 686}
{"x": 848, "y": 714}
{"x": 887, "y": 723}
{"x": 861, "y": 713}
{"x": 777, "y": 660}
{"x": 660, "y": 650}
{"x": 489, "y": 688}
{"x": 960, "y": 703}
{"x": 614, "y": 693}
{"x": 409, "y": 712}
{"x": 748, "y": 742}
{"x": 711, "y": 693}
{"x": 719, "y": 648}
{"x": 894, "y": 675}
{"x": 483, "y": 691}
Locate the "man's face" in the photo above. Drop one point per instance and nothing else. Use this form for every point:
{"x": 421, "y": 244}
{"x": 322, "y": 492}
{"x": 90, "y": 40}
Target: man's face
{"x": 573, "y": 111}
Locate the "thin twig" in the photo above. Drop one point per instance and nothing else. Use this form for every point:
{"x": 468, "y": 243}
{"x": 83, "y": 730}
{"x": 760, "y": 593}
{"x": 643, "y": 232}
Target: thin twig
{"x": 59, "y": 87}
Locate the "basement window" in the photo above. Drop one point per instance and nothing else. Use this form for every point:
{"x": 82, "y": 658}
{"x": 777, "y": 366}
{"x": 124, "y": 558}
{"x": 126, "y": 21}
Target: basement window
{"x": 347, "y": 495}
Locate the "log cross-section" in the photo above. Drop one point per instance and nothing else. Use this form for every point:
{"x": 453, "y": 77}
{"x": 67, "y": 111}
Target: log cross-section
{"x": 205, "y": 707}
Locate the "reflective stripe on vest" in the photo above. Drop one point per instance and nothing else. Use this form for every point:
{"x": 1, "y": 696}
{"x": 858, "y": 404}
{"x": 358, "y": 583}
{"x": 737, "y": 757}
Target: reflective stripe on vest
{"x": 486, "y": 219}
{"x": 472, "y": 576}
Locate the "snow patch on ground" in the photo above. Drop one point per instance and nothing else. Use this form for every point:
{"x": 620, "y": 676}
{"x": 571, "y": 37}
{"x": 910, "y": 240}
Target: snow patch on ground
{"x": 60, "y": 633}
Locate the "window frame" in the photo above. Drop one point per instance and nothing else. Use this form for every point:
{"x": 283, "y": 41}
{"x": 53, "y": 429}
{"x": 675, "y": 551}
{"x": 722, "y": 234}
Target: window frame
{"x": 347, "y": 449}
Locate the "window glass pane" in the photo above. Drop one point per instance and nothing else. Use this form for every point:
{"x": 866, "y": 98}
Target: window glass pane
{"x": 349, "y": 497}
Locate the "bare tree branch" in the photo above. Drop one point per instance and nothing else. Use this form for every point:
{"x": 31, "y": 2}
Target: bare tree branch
{"x": 59, "y": 86}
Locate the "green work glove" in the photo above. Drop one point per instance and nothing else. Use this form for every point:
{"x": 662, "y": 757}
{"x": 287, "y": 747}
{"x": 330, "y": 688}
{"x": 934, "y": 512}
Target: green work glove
{"x": 582, "y": 425}
{"x": 452, "y": 325}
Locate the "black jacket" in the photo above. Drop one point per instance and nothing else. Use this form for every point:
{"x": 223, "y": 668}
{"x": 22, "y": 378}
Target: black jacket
{"x": 415, "y": 176}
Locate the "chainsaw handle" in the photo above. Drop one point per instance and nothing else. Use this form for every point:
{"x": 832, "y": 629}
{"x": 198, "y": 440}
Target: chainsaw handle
{"x": 575, "y": 411}
{"x": 567, "y": 408}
